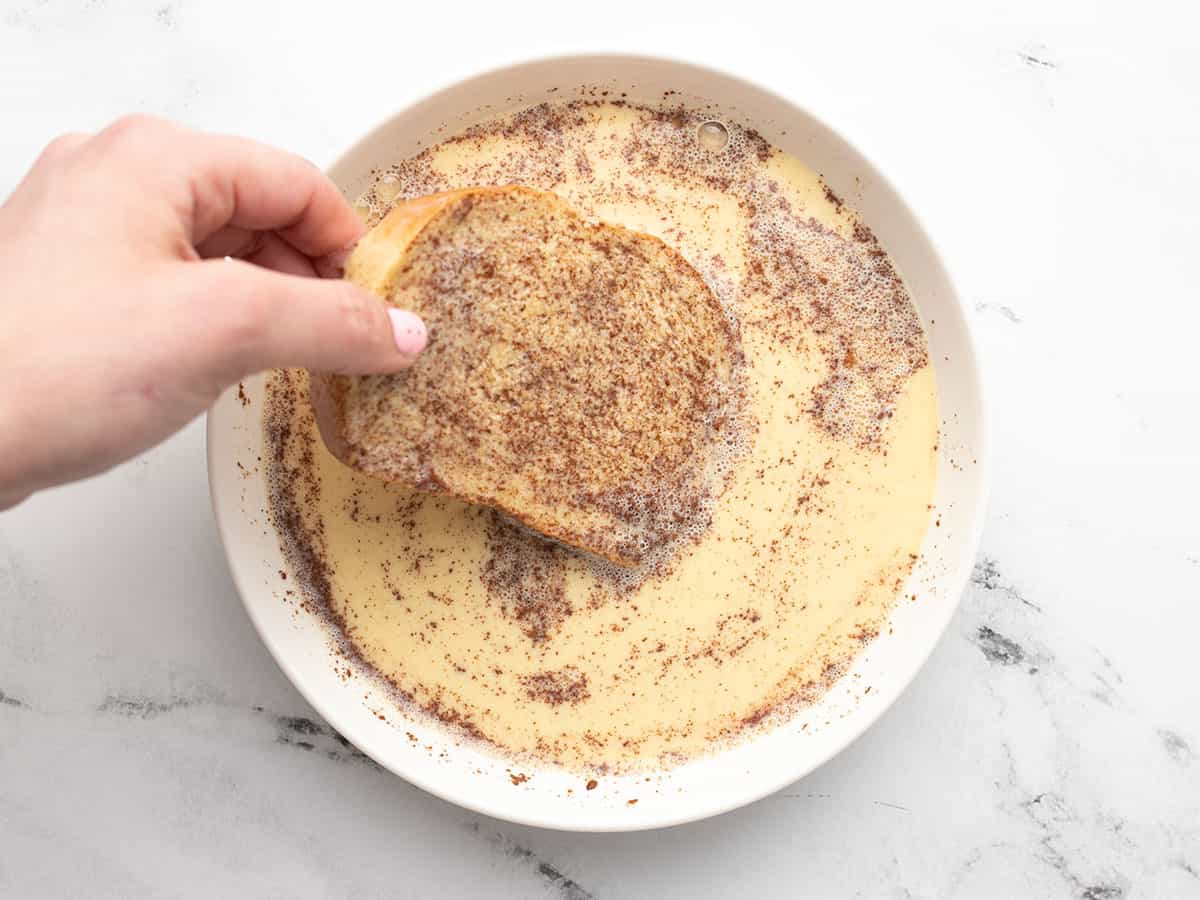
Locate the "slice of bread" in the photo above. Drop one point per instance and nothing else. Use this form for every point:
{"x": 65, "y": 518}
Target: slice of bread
{"x": 576, "y": 378}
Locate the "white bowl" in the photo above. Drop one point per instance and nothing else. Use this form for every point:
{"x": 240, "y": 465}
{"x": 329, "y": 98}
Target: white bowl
{"x": 473, "y": 777}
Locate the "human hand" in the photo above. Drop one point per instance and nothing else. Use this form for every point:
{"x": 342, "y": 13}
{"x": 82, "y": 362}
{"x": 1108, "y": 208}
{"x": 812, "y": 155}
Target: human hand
{"x": 120, "y": 317}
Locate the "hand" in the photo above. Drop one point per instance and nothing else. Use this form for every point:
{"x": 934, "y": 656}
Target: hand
{"x": 121, "y": 318}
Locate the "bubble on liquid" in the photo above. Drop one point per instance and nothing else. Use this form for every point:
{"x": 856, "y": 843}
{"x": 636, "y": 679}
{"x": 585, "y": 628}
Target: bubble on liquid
{"x": 713, "y": 136}
{"x": 387, "y": 188}
{"x": 364, "y": 207}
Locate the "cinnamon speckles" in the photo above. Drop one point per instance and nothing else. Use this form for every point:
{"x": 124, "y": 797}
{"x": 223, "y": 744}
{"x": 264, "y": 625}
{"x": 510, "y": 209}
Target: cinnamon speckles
{"x": 847, "y": 300}
{"x": 557, "y": 686}
{"x": 792, "y": 555}
{"x": 576, "y": 379}
{"x": 294, "y": 488}
{"x": 841, "y": 290}
{"x": 525, "y": 575}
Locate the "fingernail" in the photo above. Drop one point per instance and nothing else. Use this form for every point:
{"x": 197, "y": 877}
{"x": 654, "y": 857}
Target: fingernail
{"x": 409, "y": 331}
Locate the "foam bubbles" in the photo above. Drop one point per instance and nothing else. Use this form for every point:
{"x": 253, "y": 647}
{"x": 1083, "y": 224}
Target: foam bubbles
{"x": 845, "y": 296}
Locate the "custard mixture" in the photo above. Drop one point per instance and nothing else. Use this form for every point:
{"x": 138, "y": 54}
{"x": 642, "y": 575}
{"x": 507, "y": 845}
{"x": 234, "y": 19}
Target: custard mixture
{"x": 750, "y": 615}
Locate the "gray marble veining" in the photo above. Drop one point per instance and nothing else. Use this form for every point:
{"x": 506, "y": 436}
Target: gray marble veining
{"x": 1051, "y": 748}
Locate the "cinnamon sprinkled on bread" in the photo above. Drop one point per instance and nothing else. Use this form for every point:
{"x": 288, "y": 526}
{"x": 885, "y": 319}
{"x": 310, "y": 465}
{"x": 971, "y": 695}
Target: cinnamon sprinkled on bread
{"x": 577, "y": 376}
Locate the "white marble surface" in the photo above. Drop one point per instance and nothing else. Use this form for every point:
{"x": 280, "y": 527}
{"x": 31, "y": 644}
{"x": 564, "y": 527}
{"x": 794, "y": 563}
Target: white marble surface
{"x": 148, "y": 745}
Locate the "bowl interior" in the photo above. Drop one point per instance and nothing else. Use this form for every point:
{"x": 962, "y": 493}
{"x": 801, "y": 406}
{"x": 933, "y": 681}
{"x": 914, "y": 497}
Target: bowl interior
{"x": 472, "y": 777}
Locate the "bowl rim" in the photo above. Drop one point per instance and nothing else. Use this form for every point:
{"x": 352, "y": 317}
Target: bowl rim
{"x": 954, "y": 581}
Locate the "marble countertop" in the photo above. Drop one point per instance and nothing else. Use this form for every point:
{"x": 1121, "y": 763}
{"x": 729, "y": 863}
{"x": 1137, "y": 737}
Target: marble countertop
{"x": 1051, "y": 748}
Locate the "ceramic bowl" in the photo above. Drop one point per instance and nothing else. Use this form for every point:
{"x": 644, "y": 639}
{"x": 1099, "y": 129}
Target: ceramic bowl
{"x": 470, "y": 775}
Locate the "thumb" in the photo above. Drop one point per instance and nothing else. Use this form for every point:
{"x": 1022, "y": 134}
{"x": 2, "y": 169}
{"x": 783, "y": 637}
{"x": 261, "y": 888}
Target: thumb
{"x": 257, "y": 319}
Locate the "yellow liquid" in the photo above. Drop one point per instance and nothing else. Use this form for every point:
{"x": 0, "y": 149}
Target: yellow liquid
{"x": 818, "y": 526}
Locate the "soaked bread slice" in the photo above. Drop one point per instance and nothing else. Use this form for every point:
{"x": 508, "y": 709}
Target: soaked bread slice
{"x": 577, "y": 378}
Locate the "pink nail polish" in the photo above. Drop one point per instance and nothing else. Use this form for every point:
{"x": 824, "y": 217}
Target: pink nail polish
{"x": 409, "y": 331}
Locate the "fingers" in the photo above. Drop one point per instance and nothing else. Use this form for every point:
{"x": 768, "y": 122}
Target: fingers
{"x": 62, "y": 147}
{"x": 230, "y": 241}
{"x": 276, "y": 254}
{"x": 229, "y": 181}
{"x": 256, "y": 319}
{"x": 263, "y": 248}
{"x": 248, "y": 185}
